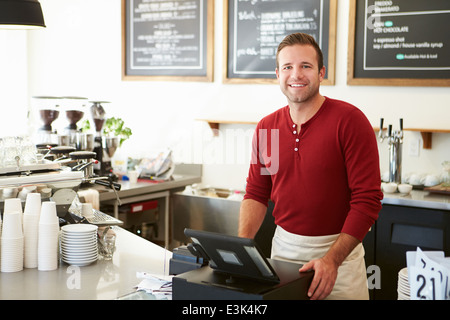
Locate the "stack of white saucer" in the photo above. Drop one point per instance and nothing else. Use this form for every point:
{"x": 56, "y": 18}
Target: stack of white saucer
{"x": 31, "y": 216}
{"x": 79, "y": 244}
{"x": 48, "y": 235}
{"x": 12, "y": 237}
{"x": 403, "y": 288}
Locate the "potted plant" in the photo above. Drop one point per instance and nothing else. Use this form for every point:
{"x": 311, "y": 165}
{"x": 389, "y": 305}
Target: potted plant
{"x": 115, "y": 127}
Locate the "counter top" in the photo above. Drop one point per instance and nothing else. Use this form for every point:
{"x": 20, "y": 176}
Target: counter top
{"x": 420, "y": 199}
{"x": 142, "y": 187}
{"x": 101, "y": 280}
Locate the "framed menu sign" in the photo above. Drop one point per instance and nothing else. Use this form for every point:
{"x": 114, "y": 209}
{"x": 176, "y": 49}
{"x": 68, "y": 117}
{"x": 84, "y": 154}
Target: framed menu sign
{"x": 399, "y": 42}
{"x": 253, "y": 30}
{"x": 167, "y": 40}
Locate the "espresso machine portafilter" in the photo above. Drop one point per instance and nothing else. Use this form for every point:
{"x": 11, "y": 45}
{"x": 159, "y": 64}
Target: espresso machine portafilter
{"x": 395, "y": 142}
{"x": 85, "y": 161}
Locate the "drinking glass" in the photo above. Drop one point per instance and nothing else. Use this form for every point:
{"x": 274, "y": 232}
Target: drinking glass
{"x": 107, "y": 245}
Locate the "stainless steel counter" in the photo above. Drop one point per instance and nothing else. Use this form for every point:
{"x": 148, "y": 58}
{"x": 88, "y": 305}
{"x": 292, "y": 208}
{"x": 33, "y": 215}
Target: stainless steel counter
{"x": 184, "y": 175}
{"x": 419, "y": 199}
{"x": 102, "y": 280}
{"x": 134, "y": 189}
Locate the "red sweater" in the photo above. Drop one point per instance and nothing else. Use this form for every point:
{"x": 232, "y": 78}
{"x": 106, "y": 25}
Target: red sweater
{"x": 323, "y": 181}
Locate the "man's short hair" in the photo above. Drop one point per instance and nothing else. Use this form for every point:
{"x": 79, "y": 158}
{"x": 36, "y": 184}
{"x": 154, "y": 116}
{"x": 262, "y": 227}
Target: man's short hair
{"x": 302, "y": 39}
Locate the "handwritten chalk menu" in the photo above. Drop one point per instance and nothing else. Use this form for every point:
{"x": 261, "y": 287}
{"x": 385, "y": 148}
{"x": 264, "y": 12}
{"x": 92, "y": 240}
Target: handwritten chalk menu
{"x": 167, "y": 38}
{"x": 256, "y": 27}
{"x": 405, "y": 40}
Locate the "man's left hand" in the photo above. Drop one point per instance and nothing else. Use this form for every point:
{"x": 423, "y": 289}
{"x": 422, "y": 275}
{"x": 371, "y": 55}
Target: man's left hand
{"x": 325, "y": 274}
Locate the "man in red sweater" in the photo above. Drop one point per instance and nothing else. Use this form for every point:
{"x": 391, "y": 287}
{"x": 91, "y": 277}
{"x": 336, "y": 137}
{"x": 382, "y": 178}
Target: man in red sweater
{"x": 317, "y": 160}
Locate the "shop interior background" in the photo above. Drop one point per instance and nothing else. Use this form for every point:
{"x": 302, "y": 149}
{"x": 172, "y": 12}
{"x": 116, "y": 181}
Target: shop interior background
{"x": 80, "y": 54}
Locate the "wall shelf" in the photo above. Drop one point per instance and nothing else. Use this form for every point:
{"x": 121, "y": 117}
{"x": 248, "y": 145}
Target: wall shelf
{"x": 425, "y": 133}
{"x": 215, "y": 124}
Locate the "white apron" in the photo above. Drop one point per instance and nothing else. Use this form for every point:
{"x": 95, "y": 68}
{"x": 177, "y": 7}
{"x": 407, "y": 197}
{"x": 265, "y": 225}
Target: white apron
{"x": 351, "y": 282}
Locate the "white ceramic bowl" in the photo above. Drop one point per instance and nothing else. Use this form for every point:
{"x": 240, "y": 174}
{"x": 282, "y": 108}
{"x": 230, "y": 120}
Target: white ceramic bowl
{"x": 390, "y": 187}
{"x": 405, "y": 188}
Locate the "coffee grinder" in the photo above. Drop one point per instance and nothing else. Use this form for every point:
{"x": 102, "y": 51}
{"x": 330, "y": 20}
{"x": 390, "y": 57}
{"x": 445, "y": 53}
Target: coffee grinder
{"x": 48, "y": 109}
{"x": 104, "y": 147}
{"x": 74, "y": 107}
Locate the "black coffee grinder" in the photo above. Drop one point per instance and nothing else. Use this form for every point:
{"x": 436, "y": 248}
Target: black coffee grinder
{"x": 104, "y": 147}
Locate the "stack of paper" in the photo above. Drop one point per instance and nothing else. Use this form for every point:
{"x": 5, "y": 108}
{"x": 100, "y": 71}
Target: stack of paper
{"x": 157, "y": 285}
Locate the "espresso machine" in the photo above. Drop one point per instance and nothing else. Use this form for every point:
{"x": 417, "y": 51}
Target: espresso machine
{"x": 395, "y": 141}
{"x": 105, "y": 147}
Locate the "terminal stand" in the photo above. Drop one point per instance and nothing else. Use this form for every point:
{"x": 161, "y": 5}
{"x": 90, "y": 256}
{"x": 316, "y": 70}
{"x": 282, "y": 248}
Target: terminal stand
{"x": 207, "y": 284}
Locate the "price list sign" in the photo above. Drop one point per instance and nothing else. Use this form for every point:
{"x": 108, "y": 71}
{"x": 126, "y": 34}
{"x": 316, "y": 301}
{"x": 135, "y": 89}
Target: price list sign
{"x": 428, "y": 275}
{"x": 402, "y": 40}
{"x": 166, "y": 38}
{"x": 256, "y": 27}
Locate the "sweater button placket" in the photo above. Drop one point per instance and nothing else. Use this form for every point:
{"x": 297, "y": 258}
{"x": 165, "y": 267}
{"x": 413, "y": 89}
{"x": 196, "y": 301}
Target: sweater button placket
{"x": 297, "y": 140}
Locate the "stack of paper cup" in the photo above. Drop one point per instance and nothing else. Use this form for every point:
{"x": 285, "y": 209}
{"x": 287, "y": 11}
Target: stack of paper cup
{"x": 13, "y": 205}
{"x": 48, "y": 237}
{"x": 12, "y": 242}
{"x": 31, "y": 216}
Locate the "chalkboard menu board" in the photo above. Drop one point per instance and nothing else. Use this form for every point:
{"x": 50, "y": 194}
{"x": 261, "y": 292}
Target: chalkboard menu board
{"x": 399, "y": 42}
{"x": 167, "y": 40}
{"x": 254, "y": 28}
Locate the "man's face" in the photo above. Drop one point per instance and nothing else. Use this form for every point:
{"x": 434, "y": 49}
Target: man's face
{"x": 298, "y": 73}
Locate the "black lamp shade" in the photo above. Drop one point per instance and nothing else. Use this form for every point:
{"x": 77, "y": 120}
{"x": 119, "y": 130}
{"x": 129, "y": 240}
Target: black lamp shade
{"x": 25, "y": 13}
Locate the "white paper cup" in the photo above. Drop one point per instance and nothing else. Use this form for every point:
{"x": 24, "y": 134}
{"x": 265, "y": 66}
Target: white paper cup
{"x": 12, "y": 226}
{"x": 13, "y": 205}
{"x": 33, "y": 204}
{"x": 48, "y": 213}
{"x": 86, "y": 210}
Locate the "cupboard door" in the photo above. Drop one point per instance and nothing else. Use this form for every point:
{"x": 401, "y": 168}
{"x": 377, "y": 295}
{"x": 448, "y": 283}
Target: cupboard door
{"x": 401, "y": 229}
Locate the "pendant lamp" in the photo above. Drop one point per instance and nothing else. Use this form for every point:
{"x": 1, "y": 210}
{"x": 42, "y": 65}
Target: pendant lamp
{"x": 21, "y": 14}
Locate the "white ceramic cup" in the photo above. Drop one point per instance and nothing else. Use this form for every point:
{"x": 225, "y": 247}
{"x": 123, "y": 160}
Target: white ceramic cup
{"x": 431, "y": 180}
{"x": 133, "y": 176}
{"x": 86, "y": 210}
{"x": 415, "y": 179}
{"x": 25, "y": 191}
